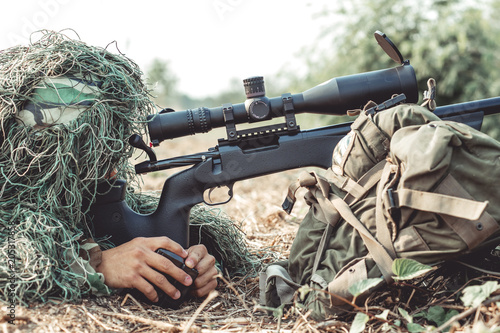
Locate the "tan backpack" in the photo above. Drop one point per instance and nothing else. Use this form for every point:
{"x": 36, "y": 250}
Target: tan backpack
{"x": 403, "y": 184}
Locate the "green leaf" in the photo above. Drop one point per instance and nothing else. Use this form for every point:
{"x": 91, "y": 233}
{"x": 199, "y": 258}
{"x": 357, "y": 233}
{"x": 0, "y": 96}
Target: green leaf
{"x": 448, "y": 316}
{"x": 415, "y": 328}
{"x": 361, "y": 286}
{"x": 383, "y": 315}
{"x": 359, "y": 323}
{"x": 474, "y": 295}
{"x": 277, "y": 312}
{"x": 406, "y": 315}
{"x": 436, "y": 314}
{"x": 303, "y": 291}
{"x": 407, "y": 269}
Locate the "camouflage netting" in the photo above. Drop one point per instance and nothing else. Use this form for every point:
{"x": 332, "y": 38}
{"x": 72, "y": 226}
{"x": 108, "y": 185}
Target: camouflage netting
{"x": 48, "y": 170}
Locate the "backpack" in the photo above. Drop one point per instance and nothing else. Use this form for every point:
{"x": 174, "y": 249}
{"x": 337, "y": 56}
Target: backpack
{"x": 403, "y": 184}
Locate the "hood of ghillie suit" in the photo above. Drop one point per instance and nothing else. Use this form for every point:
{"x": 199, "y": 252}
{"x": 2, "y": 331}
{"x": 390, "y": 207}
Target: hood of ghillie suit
{"x": 67, "y": 110}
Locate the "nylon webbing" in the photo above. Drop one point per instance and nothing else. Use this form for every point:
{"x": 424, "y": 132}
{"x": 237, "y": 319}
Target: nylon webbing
{"x": 378, "y": 252}
{"x": 474, "y": 232}
{"x": 439, "y": 203}
{"x": 367, "y": 181}
{"x": 383, "y": 232}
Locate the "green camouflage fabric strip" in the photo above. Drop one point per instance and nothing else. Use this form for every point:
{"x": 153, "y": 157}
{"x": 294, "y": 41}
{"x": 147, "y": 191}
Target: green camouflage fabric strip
{"x": 84, "y": 265}
{"x": 58, "y": 100}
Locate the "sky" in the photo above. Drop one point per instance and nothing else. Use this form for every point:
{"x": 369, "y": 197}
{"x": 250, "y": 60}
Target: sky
{"x": 206, "y": 42}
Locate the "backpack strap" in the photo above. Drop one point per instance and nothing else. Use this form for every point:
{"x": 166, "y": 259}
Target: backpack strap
{"x": 473, "y": 231}
{"x": 467, "y": 217}
{"x": 436, "y": 203}
{"x": 380, "y": 255}
{"x": 356, "y": 190}
{"x": 333, "y": 205}
{"x": 382, "y": 223}
{"x": 305, "y": 179}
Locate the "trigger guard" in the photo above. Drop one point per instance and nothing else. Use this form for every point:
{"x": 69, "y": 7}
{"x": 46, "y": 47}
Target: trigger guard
{"x": 229, "y": 193}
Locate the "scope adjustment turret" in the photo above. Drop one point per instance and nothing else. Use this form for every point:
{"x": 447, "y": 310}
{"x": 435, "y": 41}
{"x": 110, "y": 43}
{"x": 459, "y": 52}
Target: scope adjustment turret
{"x": 254, "y": 86}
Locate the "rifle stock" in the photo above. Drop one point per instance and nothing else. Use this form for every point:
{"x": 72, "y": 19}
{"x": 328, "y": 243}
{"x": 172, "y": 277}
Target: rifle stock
{"x": 181, "y": 191}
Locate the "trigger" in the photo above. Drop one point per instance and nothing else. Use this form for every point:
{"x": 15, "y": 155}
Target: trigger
{"x": 218, "y": 195}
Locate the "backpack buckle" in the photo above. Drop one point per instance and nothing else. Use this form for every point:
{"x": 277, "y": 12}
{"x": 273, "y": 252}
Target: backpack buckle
{"x": 393, "y": 209}
{"x": 387, "y": 104}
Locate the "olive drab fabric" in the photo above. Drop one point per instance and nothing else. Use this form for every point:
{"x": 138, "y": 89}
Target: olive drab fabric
{"x": 403, "y": 184}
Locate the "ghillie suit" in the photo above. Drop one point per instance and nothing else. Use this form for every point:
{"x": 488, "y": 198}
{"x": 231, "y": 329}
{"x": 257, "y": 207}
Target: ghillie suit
{"x": 66, "y": 112}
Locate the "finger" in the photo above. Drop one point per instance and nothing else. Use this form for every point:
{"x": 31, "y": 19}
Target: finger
{"x": 195, "y": 254}
{"x": 146, "y": 288}
{"x": 166, "y": 266}
{"x": 206, "y": 289}
{"x": 205, "y": 278}
{"x": 206, "y": 263}
{"x": 162, "y": 282}
{"x": 155, "y": 243}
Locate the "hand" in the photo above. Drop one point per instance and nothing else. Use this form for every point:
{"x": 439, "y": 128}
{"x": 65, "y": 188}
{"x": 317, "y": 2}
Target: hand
{"x": 204, "y": 263}
{"x": 131, "y": 264}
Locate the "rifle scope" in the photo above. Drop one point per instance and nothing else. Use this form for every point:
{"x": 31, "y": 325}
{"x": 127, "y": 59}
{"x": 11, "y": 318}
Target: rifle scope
{"x": 333, "y": 97}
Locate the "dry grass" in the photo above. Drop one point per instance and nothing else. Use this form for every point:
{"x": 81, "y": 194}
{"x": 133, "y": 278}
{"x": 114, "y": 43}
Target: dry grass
{"x": 234, "y": 307}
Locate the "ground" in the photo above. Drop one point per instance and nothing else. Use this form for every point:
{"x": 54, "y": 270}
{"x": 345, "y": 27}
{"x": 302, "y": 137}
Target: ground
{"x": 234, "y": 307}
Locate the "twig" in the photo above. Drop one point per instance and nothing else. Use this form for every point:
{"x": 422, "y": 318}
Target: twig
{"x": 213, "y": 294}
{"x": 156, "y": 323}
{"x": 461, "y": 288}
{"x": 95, "y": 319}
{"x": 476, "y": 317}
{"x": 133, "y": 299}
{"x": 381, "y": 308}
{"x": 466, "y": 313}
{"x": 328, "y": 323}
{"x": 237, "y": 294}
{"x": 62, "y": 328}
{"x": 411, "y": 296}
{"x": 306, "y": 322}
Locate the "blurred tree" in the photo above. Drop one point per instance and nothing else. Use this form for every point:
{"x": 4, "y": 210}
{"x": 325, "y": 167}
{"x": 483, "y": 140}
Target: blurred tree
{"x": 164, "y": 89}
{"x": 454, "y": 41}
{"x": 163, "y": 82}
